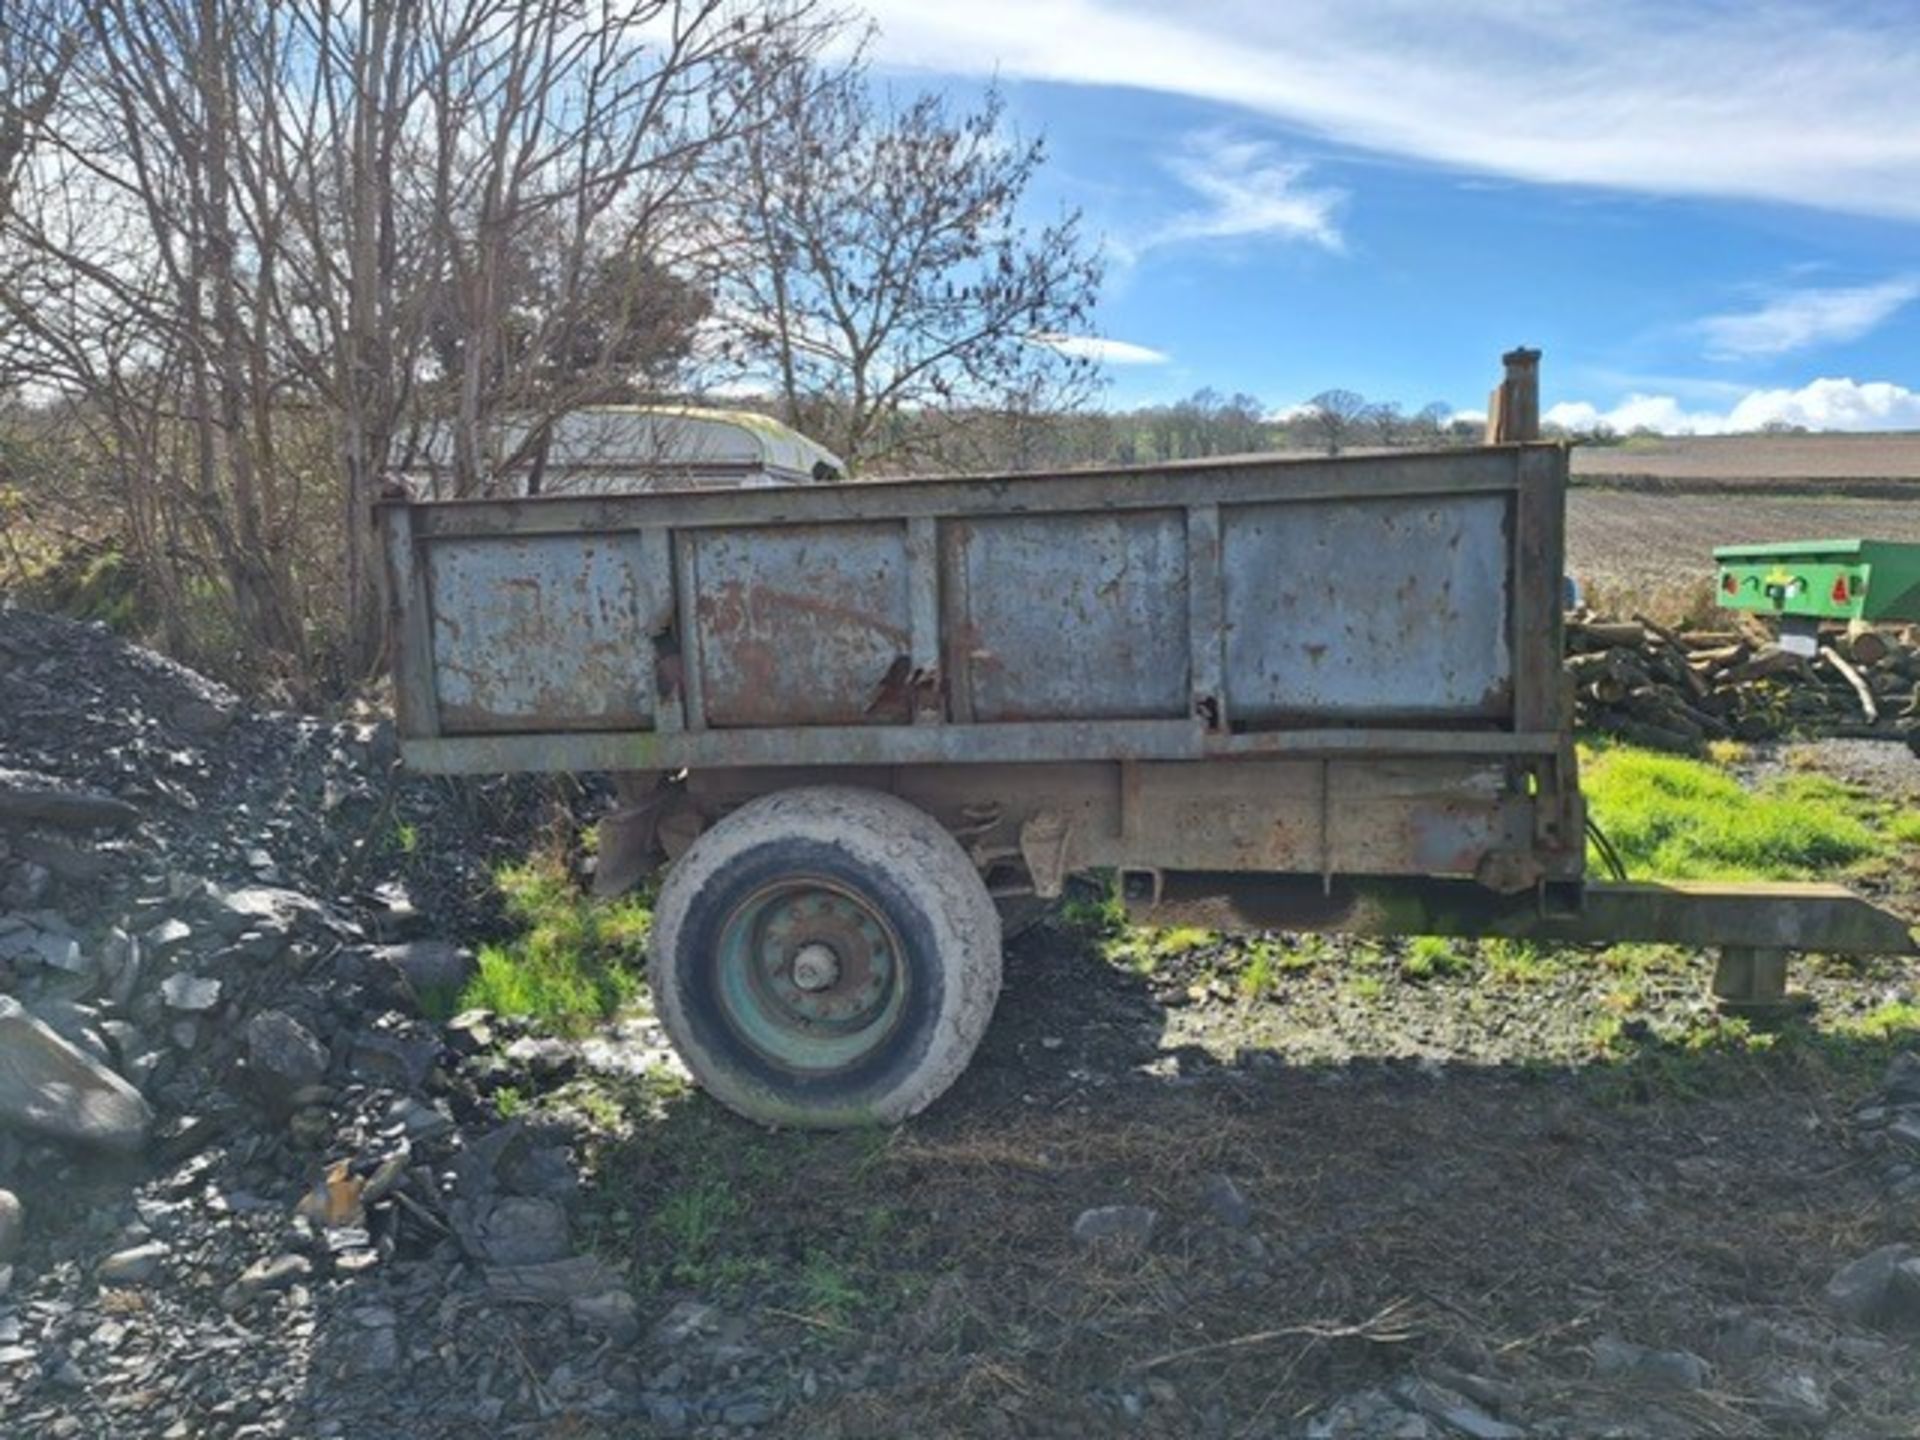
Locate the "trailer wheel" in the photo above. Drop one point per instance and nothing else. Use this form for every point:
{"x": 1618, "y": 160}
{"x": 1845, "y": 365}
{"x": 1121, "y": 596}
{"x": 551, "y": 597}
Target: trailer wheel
{"x": 825, "y": 957}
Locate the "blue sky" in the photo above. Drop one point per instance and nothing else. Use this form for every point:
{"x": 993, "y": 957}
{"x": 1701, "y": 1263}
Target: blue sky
{"x": 1705, "y": 212}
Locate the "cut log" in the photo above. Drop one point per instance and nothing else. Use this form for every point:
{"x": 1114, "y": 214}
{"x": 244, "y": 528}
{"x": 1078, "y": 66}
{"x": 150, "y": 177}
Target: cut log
{"x": 1609, "y": 632}
{"x": 1868, "y": 647}
{"x": 1853, "y": 677}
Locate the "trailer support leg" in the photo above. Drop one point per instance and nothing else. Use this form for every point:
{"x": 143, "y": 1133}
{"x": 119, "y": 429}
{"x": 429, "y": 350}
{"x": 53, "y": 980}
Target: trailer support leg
{"x": 1752, "y": 980}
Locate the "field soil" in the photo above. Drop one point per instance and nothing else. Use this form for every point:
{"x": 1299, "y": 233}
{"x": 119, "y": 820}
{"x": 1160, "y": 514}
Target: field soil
{"x": 1631, "y": 544}
{"x": 1844, "y": 460}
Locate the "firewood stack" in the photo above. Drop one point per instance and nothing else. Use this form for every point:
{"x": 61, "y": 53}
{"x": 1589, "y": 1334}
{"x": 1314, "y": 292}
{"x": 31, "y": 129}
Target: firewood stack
{"x": 1677, "y": 690}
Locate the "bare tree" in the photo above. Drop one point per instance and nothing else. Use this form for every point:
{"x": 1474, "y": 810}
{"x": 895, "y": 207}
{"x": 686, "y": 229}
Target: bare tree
{"x": 881, "y": 276}
{"x": 1333, "y": 417}
{"x": 267, "y": 240}
{"x": 1385, "y": 423}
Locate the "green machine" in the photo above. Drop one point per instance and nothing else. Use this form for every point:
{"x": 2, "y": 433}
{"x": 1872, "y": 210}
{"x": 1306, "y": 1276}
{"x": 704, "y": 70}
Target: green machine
{"x": 1807, "y": 581}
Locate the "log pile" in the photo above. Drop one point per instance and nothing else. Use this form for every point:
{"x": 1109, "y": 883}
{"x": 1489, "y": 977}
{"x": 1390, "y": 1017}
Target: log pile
{"x": 1679, "y": 689}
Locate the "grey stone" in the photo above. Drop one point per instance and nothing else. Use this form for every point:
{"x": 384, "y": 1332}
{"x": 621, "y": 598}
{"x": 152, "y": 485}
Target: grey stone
{"x": 283, "y": 1056}
{"x": 276, "y": 1273}
{"x": 76, "y": 1023}
{"x": 687, "y": 1319}
{"x": 51, "y": 1086}
{"x": 392, "y": 1060}
{"x": 169, "y": 934}
{"x": 1901, "y": 1083}
{"x": 1224, "y": 1199}
{"x": 258, "y": 907}
{"x": 424, "y": 1120}
{"x": 668, "y": 1413}
{"x": 1622, "y": 1360}
{"x": 613, "y": 1314}
{"x": 1906, "y": 1129}
{"x": 523, "y": 1231}
{"x": 133, "y": 1266}
{"x": 12, "y": 1225}
{"x": 190, "y": 994}
{"x": 1798, "y": 1396}
{"x": 28, "y": 885}
{"x": 202, "y": 718}
{"x": 558, "y": 1282}
{"x": 471, "y": 1031}
{"x": 1453, "y": 1410}
{"x": 748, "y": 1413}
{"x": 120, "y": 957}
{"x": 1369, "y": 1415}
{"x": 368, "y": 1348}
{"x": 1119, "y": 1227}
{"x": 47, "y": 947}
{"x": 1865, "y": 1290}
{"x": 430, "y": 966}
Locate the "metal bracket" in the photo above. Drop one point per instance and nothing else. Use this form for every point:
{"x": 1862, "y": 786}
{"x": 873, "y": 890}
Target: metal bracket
{"x": 1043, "y": 845}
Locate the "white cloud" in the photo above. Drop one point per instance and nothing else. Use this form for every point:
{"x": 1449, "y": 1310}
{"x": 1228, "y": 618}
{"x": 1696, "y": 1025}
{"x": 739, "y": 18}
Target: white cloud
{"x": 1805, "y": 318}
{"x": 1818, "y": 405}
{"x": 1101, "y": 350}
{"x": 1800, "y": 101}
{"x": 1251, "y": 189}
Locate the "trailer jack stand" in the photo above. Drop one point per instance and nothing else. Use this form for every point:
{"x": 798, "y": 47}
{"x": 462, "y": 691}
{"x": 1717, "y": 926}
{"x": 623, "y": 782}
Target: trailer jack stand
{"x": 1751, "y": 981}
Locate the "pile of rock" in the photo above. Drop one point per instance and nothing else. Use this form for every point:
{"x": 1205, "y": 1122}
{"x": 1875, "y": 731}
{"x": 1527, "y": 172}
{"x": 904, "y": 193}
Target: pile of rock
{"x": 1677, "y": 689}
{"x": 246, "y": 1189}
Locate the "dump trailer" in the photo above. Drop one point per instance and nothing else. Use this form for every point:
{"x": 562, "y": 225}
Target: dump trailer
{"x": 859, "y": 723}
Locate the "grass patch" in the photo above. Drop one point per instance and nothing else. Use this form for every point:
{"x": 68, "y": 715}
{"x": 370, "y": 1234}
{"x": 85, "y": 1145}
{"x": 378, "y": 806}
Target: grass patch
{"x": 1144, "y": 950}
{"x": 1517, "y": 962}
{"x": 1677, "y": 819}
{"x": 1433, "y": 957}
{"x": 576, "y": 960}
{"x": 807, "y": 1221}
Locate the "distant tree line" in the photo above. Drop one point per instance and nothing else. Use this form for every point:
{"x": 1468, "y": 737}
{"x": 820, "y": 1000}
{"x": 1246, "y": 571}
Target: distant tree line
{"x": 1204, "y": 424}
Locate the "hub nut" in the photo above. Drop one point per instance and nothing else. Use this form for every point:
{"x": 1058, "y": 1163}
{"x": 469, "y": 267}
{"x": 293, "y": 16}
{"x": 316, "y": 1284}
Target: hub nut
{"x": 815, "y": 967}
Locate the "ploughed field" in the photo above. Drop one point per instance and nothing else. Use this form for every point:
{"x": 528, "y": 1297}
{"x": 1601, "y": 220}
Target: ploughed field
{"x": 1645, "y": 515}
{"x": 1620, "y": 540}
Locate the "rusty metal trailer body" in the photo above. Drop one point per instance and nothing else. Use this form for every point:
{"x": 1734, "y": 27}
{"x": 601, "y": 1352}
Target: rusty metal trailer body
{"x": 1323, "y": 689}
{"x": 1344, "y": 666}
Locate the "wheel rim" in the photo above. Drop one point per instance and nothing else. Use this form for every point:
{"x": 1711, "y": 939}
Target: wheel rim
{"x": 812, "y": 975}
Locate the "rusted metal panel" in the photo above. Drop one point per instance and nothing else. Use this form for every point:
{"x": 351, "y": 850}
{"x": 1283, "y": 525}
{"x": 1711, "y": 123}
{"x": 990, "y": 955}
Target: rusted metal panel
{"x": 547, "y": 633}
{"x": 1216, "y": 482}
{"x": 1541, "y": 698}
{"x": 1386, "y": 609}
{"x": 409, "y": 623}
{"x": 1073, "y": 615}
{"x": 1040, "y": 742}
{"x": 804, "y": 624}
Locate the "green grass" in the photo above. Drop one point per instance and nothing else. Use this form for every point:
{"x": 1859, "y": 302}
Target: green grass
{"x": 1518, "y": 962}
{"x": 576, "y": 960}
{"x": 1678, "y": 819}
{"x": 1433, "y": 957}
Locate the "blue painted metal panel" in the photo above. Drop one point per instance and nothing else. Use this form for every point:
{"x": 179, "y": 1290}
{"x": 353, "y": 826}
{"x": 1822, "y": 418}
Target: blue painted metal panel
{"x": 802, "y": 624}
{"x": 1374, "y": 609}
{"x": 1073, "y": 616}
{"x": 549, "y": 633}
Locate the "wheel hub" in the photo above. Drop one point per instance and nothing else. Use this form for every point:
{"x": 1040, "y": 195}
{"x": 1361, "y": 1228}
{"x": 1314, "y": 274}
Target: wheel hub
{"x": 812, "y": 972}
{"x": 815, "y": 967}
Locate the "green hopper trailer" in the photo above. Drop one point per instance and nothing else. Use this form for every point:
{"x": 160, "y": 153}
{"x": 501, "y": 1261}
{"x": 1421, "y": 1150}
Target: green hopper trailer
{"x": 1873, "y": 581}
